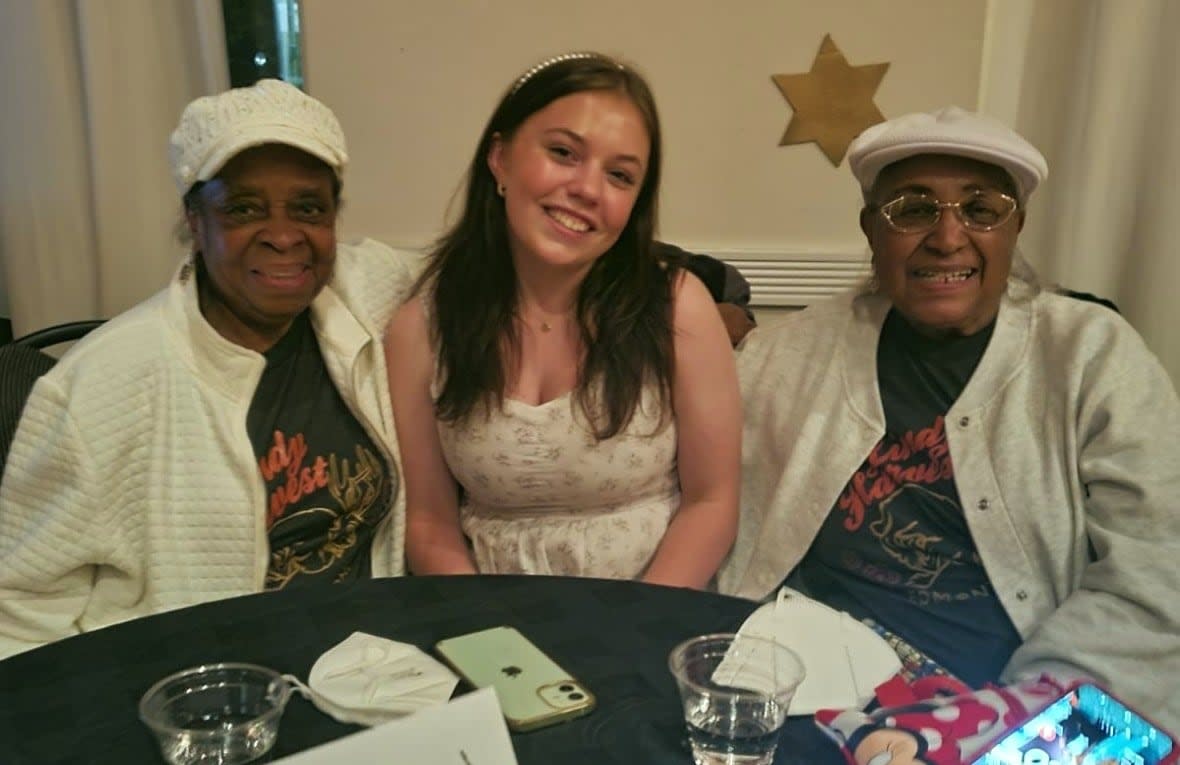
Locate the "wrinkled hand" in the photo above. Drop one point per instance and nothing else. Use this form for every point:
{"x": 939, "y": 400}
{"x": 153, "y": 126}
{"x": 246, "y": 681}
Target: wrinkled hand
{"x": 737, "y": 323}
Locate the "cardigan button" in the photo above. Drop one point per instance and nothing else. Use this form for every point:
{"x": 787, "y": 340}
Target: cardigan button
{"x": 964, "y": 422}
{"x": 983, "y": 504}
{"x": 1021, "y": 595}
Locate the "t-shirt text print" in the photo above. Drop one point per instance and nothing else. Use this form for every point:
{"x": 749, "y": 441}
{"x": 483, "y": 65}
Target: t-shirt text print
{"x": 327, "y": 487}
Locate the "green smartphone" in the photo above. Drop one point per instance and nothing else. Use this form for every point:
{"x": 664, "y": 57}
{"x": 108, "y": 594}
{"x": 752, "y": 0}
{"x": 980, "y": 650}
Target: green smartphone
{"x": 533, "y": 690}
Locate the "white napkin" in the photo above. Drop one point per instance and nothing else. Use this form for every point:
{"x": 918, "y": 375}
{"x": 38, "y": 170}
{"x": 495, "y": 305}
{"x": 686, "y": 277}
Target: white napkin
{"x": 369, "y": 680}
{"x": 845, "y": 659}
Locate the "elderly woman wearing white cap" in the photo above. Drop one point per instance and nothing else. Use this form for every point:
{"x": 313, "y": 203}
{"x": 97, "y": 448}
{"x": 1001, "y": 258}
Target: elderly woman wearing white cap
{"x": 232, "y": 433}
{"x": 987, "y": 469}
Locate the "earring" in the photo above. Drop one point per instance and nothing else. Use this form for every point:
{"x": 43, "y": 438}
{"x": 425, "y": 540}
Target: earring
{"x": 500, "y": 189}
{"x": 873, "y": 283}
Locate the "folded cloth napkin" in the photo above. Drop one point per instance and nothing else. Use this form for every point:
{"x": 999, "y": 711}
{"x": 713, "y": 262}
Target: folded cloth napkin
{"x": 936, "y": 720}
{"x": 369, "y": 680}
{"x": 845, "y": 659}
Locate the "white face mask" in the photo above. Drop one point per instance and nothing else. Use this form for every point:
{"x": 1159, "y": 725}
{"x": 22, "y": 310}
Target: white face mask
{"x": 369, "y": 680}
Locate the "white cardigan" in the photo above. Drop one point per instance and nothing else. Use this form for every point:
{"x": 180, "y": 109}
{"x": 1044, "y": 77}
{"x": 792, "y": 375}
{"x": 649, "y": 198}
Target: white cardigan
{"x": 1066, "y": 438}
{"x": 132, "y": 487}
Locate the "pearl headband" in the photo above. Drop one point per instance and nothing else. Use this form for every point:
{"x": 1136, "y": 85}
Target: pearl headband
{"x": 557, "y": 60}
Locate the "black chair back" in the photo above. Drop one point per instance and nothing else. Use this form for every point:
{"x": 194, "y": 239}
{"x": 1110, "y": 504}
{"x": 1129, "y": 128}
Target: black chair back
{"x": 58, "y": 333}
{"x": 20, "y": 366}
{"x": 21, "y": 362}
{"x": 1089, "y": 297}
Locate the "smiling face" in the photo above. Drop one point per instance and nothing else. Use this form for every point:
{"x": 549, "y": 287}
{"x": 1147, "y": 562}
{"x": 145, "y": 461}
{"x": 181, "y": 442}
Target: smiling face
{"x": 265, "y": 228}
{"x": 948, "y": 280}
{"x": 571, "y": 174}
{"x": 889, "y": 746}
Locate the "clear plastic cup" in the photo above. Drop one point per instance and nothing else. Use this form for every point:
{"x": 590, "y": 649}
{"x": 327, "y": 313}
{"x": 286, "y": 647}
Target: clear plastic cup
{"x": 216, "y": 713}
{"x": 736, "y": 691}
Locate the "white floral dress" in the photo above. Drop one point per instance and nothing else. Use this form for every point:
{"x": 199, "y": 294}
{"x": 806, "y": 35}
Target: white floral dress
{"x": 542, "y": 497}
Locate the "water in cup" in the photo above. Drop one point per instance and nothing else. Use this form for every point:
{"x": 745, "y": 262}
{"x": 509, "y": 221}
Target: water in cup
{"x": 748, "y": 735}
{"x": 735, "y": 691}
{"x": 227, "y": 713}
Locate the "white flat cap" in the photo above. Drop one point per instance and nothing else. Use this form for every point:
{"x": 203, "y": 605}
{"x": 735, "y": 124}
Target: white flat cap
{"x": 950, "y": 130}
{"x": 214, "y": 129}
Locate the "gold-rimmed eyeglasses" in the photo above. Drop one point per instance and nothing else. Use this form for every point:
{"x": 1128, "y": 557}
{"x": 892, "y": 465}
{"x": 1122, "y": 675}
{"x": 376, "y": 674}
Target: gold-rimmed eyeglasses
{"x": 913, "y": 213}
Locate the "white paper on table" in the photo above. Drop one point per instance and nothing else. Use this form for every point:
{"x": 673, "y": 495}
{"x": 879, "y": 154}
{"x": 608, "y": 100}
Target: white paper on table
{"x": 467, "y": 731}
{"x": 845, "y": 659}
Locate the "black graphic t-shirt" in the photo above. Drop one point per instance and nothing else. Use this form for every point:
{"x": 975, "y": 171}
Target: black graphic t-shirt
{"x": 896, "y": 546}
{"x": 327, "y": 485}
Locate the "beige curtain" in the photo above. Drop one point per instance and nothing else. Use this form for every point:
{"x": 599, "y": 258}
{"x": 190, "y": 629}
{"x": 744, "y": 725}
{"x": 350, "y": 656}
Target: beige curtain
{"x": 1096, "y": 85}
{"x": 91, "y": 90}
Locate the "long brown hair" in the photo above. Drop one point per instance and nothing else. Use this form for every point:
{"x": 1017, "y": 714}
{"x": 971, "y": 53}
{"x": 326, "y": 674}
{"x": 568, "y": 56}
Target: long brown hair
{"x": 623, "y": 304}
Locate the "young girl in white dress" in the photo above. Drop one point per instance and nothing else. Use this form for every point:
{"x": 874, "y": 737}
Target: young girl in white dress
{"x": 567, "y": 399}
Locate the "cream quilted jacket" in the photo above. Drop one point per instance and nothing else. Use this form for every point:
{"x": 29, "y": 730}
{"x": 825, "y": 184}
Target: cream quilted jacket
{"x": 1066, "y": 448}
{"x": 131, "y": 487}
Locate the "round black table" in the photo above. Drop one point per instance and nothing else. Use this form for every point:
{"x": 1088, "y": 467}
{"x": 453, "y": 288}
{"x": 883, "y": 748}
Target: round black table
{"x": 75, "y": 700}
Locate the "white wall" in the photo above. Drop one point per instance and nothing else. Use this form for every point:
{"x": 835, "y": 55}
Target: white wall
{"x": 414, "y": 82}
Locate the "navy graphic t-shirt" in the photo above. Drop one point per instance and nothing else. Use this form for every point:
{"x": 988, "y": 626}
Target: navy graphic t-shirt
{"x": 896, "y": 546}
{"x": 327, "y": 485}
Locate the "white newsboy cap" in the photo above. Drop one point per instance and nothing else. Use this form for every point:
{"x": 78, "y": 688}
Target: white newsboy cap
{"x": 950, "y": 130}
{"x": 213, "y": 129}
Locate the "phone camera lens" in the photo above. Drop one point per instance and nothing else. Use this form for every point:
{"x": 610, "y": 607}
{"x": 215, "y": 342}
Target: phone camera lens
{"x": 565, "y": 688}
{"x": 576, "y": 697}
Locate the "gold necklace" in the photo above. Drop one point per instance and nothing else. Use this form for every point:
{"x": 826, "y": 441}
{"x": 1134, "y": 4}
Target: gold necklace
{"x": 544, "y": 325}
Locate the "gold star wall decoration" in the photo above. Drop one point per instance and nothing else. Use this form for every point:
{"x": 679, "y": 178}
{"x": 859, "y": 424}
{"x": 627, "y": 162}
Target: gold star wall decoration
{"x": 833, "y": 102}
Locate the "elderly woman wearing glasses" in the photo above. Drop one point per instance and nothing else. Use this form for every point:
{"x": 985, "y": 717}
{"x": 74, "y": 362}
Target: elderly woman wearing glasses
{"x": 987, "y": 469}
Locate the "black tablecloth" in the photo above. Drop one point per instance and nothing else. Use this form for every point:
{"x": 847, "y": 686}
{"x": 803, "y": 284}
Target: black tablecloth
{"x": 75, "y": 700}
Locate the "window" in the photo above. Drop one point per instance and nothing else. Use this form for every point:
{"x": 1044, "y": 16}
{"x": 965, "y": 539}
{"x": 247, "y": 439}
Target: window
{"x": 263, "y": 39}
